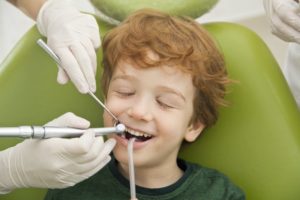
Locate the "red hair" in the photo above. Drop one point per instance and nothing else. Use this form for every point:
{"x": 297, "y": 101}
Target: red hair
{"x": 179, "y": 42}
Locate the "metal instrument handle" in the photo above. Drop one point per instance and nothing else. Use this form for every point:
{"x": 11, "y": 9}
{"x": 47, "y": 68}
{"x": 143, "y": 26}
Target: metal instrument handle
{"x": 50, "y": 132}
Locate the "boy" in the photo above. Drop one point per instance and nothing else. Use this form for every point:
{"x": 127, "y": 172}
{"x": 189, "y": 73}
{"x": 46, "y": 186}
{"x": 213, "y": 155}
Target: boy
{"x": 164, "y": 78}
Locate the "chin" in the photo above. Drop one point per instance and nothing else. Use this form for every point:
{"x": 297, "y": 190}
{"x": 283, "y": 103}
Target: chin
{"x": 122, "y": 157}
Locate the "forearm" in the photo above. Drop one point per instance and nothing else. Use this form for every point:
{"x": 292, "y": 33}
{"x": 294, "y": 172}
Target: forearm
{"x": 29, "y": 7}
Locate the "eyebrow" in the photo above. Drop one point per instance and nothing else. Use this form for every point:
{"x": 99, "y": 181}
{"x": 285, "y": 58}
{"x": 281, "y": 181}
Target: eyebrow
{"x": 176, "y": 92}
{"x": 124, "y": 76}
{"x": 165, "y": 88}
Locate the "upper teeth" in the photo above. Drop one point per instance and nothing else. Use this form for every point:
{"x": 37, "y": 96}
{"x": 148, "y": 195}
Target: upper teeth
{"x": 137, "y": 133}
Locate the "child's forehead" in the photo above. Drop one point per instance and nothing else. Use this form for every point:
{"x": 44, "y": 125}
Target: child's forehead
{"x": 130, "y": 67}
{"x": 166, "y": 75}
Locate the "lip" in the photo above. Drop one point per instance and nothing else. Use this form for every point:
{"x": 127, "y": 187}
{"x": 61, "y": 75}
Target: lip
{"x": 138, "y": 130}
{"x": 136, "y": 145}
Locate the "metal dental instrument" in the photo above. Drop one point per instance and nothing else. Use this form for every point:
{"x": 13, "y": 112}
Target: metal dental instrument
{"x": 51, "y": 53}
{"x": 43, "y": 132}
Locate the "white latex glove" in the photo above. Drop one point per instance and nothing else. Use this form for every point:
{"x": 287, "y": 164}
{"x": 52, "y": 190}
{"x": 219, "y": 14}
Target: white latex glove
{"x": 284, "y": 17}
{"x": 55, "y": 162}
{"x": 73, "y": 36}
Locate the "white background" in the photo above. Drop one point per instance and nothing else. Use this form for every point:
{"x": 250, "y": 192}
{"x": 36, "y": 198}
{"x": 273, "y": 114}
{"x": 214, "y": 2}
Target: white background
{"x": 13, "y": 23}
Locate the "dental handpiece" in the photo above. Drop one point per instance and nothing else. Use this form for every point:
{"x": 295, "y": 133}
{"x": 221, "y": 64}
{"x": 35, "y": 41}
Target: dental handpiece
{"x": 43, "y": 132}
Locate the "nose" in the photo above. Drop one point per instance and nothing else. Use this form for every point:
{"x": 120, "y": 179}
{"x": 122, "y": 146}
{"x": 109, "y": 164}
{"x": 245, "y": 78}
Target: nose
{"x": 141, "y": 109}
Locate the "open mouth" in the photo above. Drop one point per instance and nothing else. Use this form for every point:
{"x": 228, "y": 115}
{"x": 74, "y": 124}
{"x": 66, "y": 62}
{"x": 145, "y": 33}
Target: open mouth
{"x": 139, "y": 136}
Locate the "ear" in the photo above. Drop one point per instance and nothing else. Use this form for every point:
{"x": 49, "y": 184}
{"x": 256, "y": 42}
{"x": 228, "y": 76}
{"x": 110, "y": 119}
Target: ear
{"x": 193, "y": 131}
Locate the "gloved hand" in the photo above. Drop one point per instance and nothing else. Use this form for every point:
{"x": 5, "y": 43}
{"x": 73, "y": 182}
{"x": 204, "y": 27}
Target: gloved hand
{"x": 284, "y": 17}
{"x": 73, "y": 36}
{"x": 55, "y": 162}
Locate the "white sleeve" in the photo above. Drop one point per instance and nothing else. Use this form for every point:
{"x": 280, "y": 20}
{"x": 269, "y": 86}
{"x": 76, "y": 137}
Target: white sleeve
{"x": 291, "y": 70}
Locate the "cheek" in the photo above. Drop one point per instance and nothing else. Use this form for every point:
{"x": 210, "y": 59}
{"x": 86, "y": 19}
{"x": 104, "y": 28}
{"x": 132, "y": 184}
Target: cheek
{"x": 115, "y": 105}
{"x": 173, "y": 124}
{"x": 107, "y": 120}
{"x": 176, "y": 124}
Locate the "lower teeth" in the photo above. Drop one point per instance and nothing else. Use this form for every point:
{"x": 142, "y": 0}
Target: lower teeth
{"x": 139, "y": 138}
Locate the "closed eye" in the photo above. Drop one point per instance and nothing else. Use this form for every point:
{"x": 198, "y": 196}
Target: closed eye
{"x": 125, "y": 94}
{"x": 164, "y": 105}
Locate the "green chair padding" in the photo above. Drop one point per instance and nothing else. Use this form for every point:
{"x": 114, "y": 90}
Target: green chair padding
{"x": 255, "y": 142}
{"x": 30, "y": 95}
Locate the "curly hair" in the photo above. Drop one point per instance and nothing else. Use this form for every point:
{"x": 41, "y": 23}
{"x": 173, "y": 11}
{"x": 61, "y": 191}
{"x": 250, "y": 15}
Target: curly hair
{"x": 179, "y": 42}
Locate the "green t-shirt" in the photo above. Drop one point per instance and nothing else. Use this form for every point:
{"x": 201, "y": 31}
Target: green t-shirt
{"x": 108, "y": 184}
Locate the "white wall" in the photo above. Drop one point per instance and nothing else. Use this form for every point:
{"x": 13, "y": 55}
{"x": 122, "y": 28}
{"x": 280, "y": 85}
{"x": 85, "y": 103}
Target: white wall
{"x": 249, "y": 13}
{"x": 13, "y": 23}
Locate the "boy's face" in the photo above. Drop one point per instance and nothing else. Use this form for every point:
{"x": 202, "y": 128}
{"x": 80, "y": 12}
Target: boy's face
{"x": 156, "y": 104}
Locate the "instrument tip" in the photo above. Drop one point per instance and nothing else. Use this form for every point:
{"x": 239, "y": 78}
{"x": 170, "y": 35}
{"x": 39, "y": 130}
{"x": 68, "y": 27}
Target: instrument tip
{"x": 120, "y": 128}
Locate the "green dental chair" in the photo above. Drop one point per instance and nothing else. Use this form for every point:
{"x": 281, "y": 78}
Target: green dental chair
{"x": 256, "y": 141}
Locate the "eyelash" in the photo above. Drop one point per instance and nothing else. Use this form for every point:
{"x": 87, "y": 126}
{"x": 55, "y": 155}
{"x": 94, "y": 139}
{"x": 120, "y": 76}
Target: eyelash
{"x": 163, "y": 105}
{"x": 126, "y": 94}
